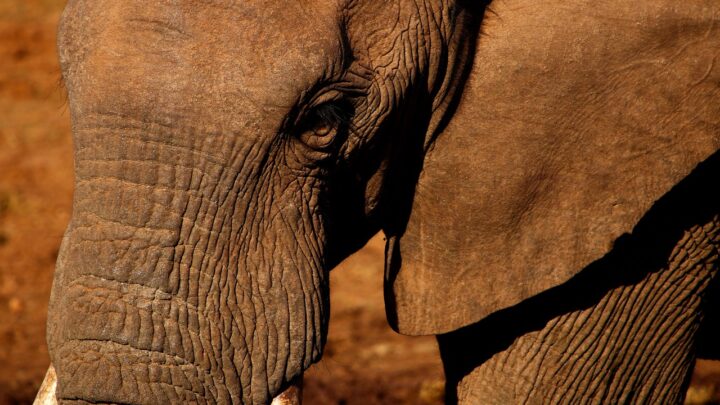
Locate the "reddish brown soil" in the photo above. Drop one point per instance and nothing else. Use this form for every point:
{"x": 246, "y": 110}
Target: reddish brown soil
{"x": 365, "y": 362}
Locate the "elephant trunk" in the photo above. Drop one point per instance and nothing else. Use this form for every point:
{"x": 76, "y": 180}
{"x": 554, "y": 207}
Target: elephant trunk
{"x": 46, "y": 394}
{"x": 174, "y": 283}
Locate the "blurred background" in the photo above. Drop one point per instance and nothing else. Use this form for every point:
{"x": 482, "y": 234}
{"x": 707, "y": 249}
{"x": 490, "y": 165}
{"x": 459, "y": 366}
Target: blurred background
{"x": 364, "y": 363}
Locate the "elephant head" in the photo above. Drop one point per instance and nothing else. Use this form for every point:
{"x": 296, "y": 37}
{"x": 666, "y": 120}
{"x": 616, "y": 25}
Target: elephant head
{"x": 229, "y": 153}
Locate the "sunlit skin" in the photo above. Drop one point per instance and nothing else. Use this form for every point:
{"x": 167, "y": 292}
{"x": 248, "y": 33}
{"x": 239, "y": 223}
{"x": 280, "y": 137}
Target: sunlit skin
{"x": 524, "y": 162}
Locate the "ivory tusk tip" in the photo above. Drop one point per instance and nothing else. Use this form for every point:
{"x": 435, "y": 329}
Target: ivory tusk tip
{"x": 46, "y": 394}
{"x": 292, "y": 395}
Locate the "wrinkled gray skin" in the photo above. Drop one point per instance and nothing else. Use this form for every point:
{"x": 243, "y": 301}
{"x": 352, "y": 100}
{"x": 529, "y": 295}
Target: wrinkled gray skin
{"x": 229, "y": 153}
{"x": 211, "y": 200}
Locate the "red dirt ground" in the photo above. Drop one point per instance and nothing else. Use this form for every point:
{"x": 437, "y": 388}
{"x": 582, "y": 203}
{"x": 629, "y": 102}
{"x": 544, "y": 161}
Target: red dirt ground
{"x": 365, "y": 362}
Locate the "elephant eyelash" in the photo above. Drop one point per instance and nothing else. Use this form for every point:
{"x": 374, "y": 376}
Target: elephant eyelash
{"x": 324, "y": 126}
{"x": 335, "y": 114}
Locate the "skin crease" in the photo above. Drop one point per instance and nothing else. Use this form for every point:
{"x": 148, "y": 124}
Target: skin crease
{"x": 228, "y": 154}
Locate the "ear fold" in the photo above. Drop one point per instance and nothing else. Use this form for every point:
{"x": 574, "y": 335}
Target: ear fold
{"x": 570, "y": 127}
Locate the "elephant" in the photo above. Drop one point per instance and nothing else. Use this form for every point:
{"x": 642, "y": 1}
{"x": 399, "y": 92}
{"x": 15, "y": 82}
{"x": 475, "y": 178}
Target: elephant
{"x": 544, "y": 173}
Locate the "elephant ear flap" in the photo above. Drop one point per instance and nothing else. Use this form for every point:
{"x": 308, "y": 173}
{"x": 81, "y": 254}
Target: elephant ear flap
{"x": 553, "y": 153}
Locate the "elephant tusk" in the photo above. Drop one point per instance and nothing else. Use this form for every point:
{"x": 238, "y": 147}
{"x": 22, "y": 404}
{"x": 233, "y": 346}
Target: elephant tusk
{"x": 46, "y": 394}
{"x": 292, "y": 395}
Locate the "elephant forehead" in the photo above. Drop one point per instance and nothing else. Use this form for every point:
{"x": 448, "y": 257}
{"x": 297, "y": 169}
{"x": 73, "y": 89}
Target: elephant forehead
{"x": 214, "y": 58}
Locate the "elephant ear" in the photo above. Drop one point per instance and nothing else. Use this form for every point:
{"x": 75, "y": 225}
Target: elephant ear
{"x": 575, "y": 119}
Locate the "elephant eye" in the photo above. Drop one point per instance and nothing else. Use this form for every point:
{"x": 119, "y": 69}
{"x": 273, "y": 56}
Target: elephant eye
{"x": 321, "y": 126}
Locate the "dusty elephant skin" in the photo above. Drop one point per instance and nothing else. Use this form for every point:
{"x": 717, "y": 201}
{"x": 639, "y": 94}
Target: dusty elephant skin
{"x": 624, "y": 330}
{"x": 223, "y": 167}
{"x": 230, "y": 153}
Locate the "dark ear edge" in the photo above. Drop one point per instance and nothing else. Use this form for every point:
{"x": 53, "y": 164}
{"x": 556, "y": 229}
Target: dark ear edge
{"x": 407, "y": 155}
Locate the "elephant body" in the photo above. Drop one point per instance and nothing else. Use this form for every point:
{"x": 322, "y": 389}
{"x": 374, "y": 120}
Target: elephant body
{"x": 544, "y": 173}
